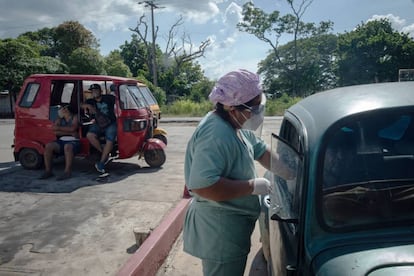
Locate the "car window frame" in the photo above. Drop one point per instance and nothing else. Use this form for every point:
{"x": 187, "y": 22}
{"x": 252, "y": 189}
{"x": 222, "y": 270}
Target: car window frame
{"x": 291, "y": 134}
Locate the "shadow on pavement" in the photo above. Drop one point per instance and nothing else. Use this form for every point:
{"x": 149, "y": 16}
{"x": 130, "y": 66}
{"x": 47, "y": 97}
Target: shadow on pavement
{"x": 13, "y": 178}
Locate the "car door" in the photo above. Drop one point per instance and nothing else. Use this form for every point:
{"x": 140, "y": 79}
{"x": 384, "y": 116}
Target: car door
{"x": 285, "y": 201}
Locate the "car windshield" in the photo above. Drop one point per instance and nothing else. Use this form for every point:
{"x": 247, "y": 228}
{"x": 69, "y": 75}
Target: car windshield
{"x": 367, "y": 174}
{"x": 130, "y": 97}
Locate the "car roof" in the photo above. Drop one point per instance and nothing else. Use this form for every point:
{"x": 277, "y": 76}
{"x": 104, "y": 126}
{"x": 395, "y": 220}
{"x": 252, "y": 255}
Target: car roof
{"x": 321, "y": 110}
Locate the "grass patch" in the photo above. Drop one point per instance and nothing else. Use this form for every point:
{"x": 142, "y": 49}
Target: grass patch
{"x": 188, "y": 108}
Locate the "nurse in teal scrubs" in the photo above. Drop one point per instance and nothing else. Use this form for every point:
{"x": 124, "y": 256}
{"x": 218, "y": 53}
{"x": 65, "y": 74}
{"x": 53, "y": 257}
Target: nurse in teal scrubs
{"x": 220, "y": 175}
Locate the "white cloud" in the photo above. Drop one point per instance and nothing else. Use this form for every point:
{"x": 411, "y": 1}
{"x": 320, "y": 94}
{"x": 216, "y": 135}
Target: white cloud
{"x": 233, "y": 14}
{"x": 198, "y": 12}
{"x": 397, "y": 23}
{"x": 409, "y": 29}
{"x": 111, "y": 15}
{"x": 29, "y": 15}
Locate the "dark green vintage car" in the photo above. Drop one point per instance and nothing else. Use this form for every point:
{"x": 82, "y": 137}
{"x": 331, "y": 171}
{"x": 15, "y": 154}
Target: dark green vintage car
{"x": 350, "y": 208}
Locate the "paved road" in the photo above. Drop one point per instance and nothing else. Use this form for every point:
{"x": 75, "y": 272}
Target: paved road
{"x": 81, "y": 226}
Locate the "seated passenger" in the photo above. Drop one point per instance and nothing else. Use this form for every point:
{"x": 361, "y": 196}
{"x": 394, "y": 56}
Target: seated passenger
{"x": 66, "y": 129}
{"x": 338, "y": 164}
{"x": 101, "y": 107}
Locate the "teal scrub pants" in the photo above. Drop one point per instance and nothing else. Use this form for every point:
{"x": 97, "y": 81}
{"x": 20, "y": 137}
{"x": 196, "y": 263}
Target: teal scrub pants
{"x": 236, "y": 268}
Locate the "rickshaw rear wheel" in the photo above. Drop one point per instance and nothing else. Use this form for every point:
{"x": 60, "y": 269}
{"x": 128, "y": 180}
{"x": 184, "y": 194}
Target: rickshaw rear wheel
{"x": 155, "y": 158}
{"x": 161, "y": 137}
{"x": 30, "y": 159}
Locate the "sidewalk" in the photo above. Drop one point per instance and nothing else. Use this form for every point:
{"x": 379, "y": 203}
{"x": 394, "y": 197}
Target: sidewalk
{"x": 81, "y": 226}
{"x": 65, "y": 223}
{"x": 179, "y": 263}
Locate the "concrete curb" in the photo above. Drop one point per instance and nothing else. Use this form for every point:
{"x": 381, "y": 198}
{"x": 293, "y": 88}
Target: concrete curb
{"x": 151, "y": 254}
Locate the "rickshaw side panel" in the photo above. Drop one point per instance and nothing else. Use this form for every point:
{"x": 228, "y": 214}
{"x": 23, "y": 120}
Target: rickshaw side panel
{"x": 40, "y": 148}
{"x": 33, "y": 129}
{"x": 131, "y": 141}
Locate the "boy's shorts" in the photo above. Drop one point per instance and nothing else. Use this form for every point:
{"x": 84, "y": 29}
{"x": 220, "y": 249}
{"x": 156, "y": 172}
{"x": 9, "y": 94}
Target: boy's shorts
{"x": 75, "y": 146}
{"x": 109, "y": 131}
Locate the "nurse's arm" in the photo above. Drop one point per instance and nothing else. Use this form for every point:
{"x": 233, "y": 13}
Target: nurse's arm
{"x": 226, "y": 189}
{"x": 279, "y": 167}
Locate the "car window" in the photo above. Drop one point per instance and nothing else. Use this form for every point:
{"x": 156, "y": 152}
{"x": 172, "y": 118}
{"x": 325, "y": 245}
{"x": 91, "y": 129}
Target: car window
{"x": 290, "y": 134}
{"x": 367, "y": 173}
{"x": 29, "y": 95}
{"x": 284, "y": 195}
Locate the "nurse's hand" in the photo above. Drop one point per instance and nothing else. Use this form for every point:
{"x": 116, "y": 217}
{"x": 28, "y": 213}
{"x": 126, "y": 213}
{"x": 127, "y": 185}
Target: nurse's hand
{"x": 261, "y": 186}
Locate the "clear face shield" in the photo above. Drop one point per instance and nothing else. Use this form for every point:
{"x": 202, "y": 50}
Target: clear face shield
{"x": 255, "y": 122}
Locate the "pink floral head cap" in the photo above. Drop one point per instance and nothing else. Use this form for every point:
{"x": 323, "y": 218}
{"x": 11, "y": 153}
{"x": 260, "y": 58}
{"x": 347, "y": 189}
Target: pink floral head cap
{"x": 236, "y": 88}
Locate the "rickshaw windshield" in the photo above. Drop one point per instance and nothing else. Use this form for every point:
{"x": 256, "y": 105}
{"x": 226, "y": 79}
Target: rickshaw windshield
{"x": 130, "y": 97}
{"x": 148, "y": 95}
{"x": 367, "y": 173}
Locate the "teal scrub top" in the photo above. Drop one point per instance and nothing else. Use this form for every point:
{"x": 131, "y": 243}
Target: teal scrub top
{"x": 220, "y": 231}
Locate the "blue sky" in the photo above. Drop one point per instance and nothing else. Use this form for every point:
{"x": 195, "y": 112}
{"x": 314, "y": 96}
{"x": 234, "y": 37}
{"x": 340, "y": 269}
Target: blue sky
{"x": 110, "y": 20}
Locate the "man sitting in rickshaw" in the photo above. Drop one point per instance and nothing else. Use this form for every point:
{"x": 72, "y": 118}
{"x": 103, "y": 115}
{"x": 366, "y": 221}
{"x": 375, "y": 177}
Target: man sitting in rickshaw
{"x": 65, "y": 128}
{"x": 102, "y": 108}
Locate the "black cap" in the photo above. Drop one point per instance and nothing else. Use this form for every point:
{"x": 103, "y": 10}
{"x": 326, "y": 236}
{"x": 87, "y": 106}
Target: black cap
{"x": 95, "y": 86}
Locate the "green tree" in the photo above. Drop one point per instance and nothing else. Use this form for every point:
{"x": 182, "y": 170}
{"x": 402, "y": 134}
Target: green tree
{"x": 201, "y": 89}
{"x": 314, "y": 64}
{"x": 270, "y": 28}
{"x": 72, "y": 35}
{"x": 171, "y": 65}
{"x": 180, "y": 85}
{"x": 86, "y": 61}
{"x": 373, "y": 52}
{"x": 134, "y": 54}
{"x": 115, "y": 66}
{"x": 19, "y": 58}
{"x": 45, "y": 39}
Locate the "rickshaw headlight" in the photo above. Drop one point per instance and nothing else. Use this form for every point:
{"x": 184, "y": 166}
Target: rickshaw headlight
{"x": 134, "y": 125}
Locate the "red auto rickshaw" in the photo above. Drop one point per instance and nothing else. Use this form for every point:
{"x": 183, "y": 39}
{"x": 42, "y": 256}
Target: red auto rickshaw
{"x": 41, "y": 96}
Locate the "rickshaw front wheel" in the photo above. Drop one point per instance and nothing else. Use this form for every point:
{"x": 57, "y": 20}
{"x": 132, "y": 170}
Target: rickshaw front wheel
{"x": 30, "y": 159}
{"x": 155, "y": 158}
{"x": 161, "y": 137}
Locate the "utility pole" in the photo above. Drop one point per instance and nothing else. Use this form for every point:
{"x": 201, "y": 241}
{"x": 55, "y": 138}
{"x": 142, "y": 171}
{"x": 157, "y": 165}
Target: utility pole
{"x": 150, "y": 3}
